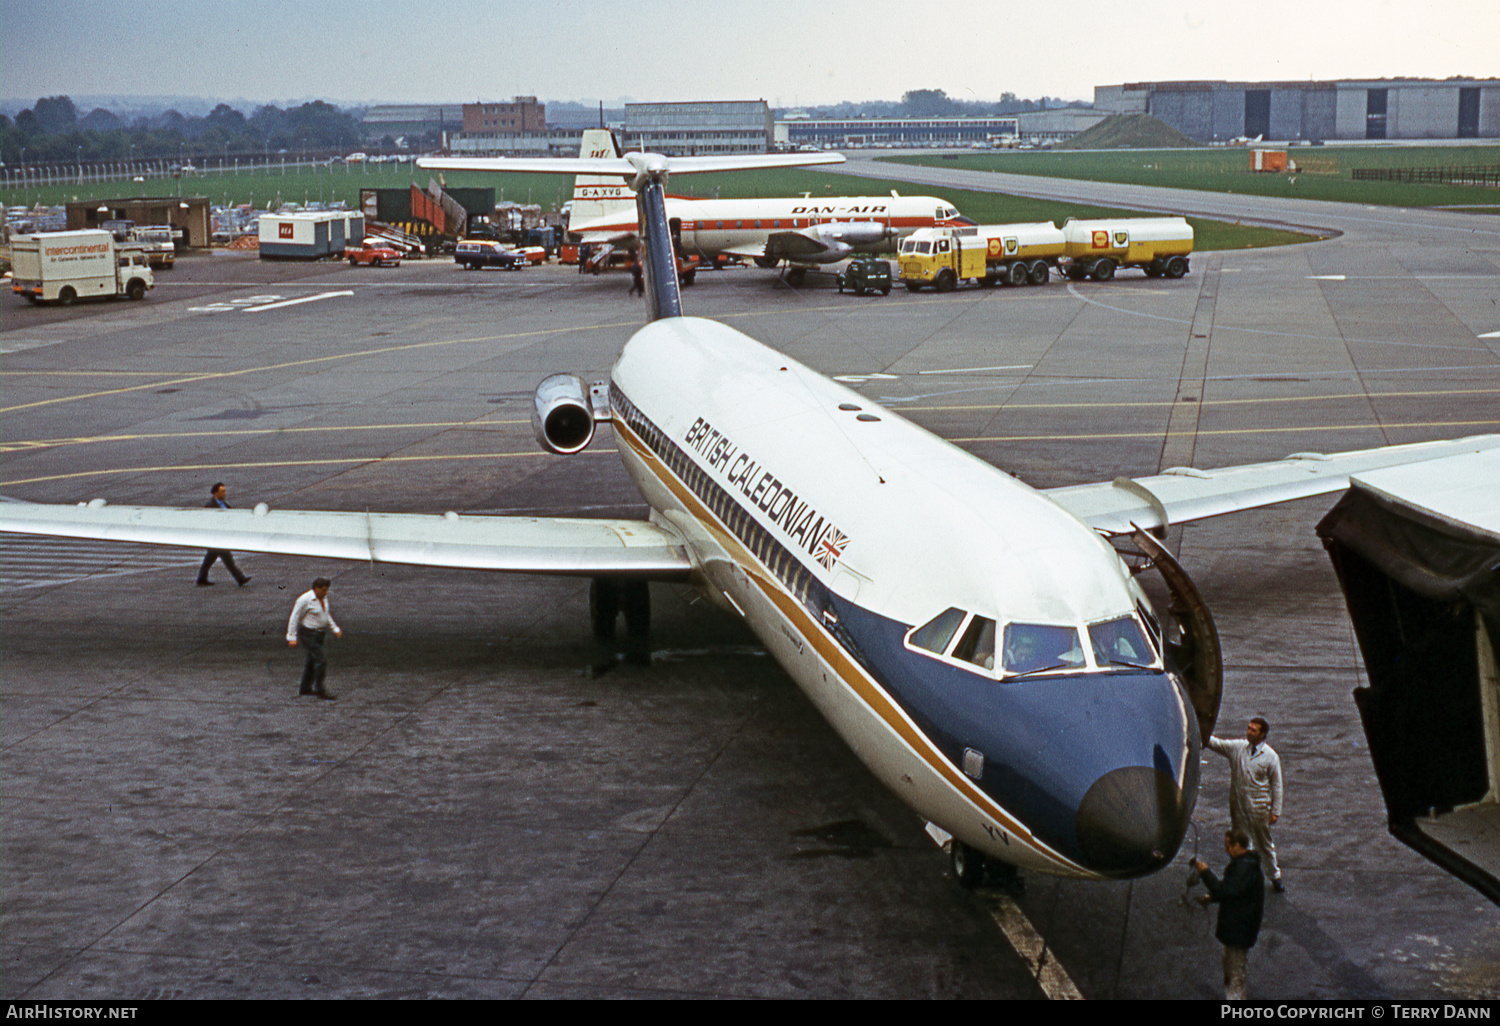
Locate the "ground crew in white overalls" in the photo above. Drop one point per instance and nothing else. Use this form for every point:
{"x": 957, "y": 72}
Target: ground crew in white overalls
{"x": 1254, "y": 790}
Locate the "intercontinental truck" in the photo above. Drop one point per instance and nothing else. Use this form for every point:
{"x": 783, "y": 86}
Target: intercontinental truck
{"x": 66, "y": 266}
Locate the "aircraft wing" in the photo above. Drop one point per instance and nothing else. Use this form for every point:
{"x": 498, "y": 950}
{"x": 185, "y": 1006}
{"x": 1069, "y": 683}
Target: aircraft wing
{"x": 629, "y": 165}
{"x": 795, "y": 246}
{"x": 1183, "y": 493}
{"x": 542, "y": 545}
{"x": 594, "y": 238}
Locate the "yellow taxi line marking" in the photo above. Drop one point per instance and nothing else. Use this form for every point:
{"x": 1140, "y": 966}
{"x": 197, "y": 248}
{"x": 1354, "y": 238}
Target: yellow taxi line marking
{"x": 1227, "y": 431}
{"x": 348, "y": 460}
{"x": 1148, "y": 404}
{"x": 50, "y": 443}
{"x": 378, "y": 351}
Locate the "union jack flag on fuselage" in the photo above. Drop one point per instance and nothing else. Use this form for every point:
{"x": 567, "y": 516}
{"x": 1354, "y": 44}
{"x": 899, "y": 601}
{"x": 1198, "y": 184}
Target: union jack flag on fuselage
{"x": 831, "y": 547}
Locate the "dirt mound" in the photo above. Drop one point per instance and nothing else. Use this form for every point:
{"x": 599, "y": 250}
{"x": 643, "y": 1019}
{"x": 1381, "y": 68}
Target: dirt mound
{"x": 1129, "y": 131}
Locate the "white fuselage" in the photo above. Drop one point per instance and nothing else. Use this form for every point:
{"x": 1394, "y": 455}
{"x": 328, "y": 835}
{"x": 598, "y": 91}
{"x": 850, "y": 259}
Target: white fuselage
{"x": 713, "y": 227}
{"x": 832, "y": 526}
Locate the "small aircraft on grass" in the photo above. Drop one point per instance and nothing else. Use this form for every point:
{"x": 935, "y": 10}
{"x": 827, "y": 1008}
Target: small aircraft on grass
{"x": 980, "y": 645}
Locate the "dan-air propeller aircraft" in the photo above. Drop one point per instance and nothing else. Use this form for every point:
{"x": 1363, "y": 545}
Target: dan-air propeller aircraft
{"x": 982, "y": 646}
{"x": 799, "y": 230}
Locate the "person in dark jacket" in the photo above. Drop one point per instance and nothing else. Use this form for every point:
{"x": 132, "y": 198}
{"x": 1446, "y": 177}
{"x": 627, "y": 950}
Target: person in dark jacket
{"x": 218, "y": 497}
{"x": 1241, "y": 898}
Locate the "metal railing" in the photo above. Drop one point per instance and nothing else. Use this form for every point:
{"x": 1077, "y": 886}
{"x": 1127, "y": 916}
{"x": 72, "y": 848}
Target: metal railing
{"x": 1429, "y": 175}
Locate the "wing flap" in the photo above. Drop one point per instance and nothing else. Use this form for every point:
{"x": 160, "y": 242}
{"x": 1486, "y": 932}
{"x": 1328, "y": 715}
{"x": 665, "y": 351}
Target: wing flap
{"x": 749, "y": 251}
{"x": 795, "y": 246}
{"x": 1183, "y": 494}
{"x": 540, "y": 545}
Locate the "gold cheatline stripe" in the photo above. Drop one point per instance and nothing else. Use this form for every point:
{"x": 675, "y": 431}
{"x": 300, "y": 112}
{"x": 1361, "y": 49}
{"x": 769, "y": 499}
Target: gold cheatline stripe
{"x": 844, "y": 668}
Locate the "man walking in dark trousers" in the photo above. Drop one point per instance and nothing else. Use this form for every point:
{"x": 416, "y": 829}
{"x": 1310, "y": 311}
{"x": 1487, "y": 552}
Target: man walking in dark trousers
{"x": 1241, "y": 898}
{"x": 308, "y": 629}
{"x": 217, "y": 496}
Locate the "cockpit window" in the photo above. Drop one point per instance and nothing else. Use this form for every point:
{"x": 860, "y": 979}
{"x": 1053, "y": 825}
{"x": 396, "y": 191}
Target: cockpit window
{"x": 977, "y": 646}
{"x": 1120, "y": 643}
{"x": 934, "y": 635}
{"x": 1035, "y": 647}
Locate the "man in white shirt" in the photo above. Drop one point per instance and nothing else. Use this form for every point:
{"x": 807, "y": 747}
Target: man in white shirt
{"x": 1254, "y": 790}
{"x": 308, "y": 629}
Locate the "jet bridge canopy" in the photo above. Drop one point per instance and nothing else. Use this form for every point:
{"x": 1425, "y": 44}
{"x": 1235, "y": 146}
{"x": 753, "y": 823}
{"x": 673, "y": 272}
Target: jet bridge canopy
{"x": 1417, "y": 553}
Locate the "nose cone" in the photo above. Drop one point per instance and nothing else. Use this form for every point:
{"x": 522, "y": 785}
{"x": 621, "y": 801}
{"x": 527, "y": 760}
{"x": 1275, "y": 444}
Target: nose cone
{"x": 1131, "y": 821}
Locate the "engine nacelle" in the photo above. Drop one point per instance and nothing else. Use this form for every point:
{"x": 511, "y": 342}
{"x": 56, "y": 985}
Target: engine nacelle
{"x": 564, "y": 411}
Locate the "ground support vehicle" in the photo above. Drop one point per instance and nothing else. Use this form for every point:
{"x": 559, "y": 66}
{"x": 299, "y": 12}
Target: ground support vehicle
{"x": 1160, "y": 246}
{"x": 474, "y": 253}
{"x": 990, "y": 254}
{"x": 157, "y": 243}
{"x": 374, "y": 253}
{"x": 866, "y": 274}
{"x": 67, "y": 266}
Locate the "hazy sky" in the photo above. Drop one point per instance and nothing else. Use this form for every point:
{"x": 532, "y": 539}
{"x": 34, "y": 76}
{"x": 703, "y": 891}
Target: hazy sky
{"x": 788, "y": 53}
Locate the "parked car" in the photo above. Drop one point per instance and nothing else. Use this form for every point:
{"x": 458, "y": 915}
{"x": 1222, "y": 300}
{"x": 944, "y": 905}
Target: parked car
{"x": 866, "y": 274}
{"x": 373, "y": 252}
{"x": 472, "y": 253}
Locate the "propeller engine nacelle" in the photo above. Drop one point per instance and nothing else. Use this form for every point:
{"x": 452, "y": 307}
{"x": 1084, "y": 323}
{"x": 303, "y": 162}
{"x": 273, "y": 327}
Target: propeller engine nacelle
{"x": 565, "y": 410}
{"x": 853, "y": 233}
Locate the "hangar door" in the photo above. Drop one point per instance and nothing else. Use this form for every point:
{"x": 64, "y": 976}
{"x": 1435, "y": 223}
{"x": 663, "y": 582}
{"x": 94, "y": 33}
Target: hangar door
{"x": 1423, "y": 591}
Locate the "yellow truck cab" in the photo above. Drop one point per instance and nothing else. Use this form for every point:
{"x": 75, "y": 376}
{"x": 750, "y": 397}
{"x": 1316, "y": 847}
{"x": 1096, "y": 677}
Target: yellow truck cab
{"x": 989, "y": 254}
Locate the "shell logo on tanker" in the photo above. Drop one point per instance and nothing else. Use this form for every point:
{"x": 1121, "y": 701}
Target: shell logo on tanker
{"x": 1101, "y": 240}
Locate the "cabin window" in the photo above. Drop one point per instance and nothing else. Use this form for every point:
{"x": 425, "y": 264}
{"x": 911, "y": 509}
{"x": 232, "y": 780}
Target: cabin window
{"x": 757, "y": 224}
{"x": 1037, "y": 648}
{"x": 721, "y": 225}
{"x": 776, "y": 223}
{"x": 1120, "y": 643}
{"x": 934, "y": 635}
{"x": 924, "y": 248}
{"x": 739, "y": 224}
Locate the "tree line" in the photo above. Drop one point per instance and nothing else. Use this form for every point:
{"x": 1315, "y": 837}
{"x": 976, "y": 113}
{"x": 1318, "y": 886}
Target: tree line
{"x": 935, "y": 103}
{"x": 53, "y": 132}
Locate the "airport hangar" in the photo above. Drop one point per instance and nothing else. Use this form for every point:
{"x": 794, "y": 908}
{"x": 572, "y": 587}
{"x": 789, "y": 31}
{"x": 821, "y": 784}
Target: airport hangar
{"x": 1345, "y": 110}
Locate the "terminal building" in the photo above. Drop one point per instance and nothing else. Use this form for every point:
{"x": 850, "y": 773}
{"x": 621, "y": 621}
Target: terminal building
{"x": 1459, "y": 108}
{"x": 686, "y": 129}
{"x": 1039, "y": 127}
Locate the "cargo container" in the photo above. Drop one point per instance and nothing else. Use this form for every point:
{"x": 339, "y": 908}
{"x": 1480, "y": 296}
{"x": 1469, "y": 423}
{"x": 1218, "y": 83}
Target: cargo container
{"x": 311, "y": 235}
{"x": 66, "y": 266}
{"x": 1268, "y": 160}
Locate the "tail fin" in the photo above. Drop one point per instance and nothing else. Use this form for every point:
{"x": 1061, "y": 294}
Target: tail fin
{"x": 594, "y": 196}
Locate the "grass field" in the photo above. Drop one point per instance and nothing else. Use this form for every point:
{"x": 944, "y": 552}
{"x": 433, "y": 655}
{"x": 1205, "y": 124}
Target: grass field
{"x": 1323, "y": 171}
{"x": 302, "y": 185}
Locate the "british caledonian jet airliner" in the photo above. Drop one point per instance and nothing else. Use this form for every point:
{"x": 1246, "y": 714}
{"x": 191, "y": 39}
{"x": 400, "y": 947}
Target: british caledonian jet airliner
{"x": 980, "y": 645}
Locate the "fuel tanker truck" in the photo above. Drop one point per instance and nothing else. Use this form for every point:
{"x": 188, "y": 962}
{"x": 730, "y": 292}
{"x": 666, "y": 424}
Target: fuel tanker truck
{"x": 1026, "y": 254}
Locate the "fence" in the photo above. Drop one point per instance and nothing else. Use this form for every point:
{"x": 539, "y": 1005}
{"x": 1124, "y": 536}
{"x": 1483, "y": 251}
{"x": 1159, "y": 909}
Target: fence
{"x": 79, "y": 173}
{"x": 1430, "y": 175}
